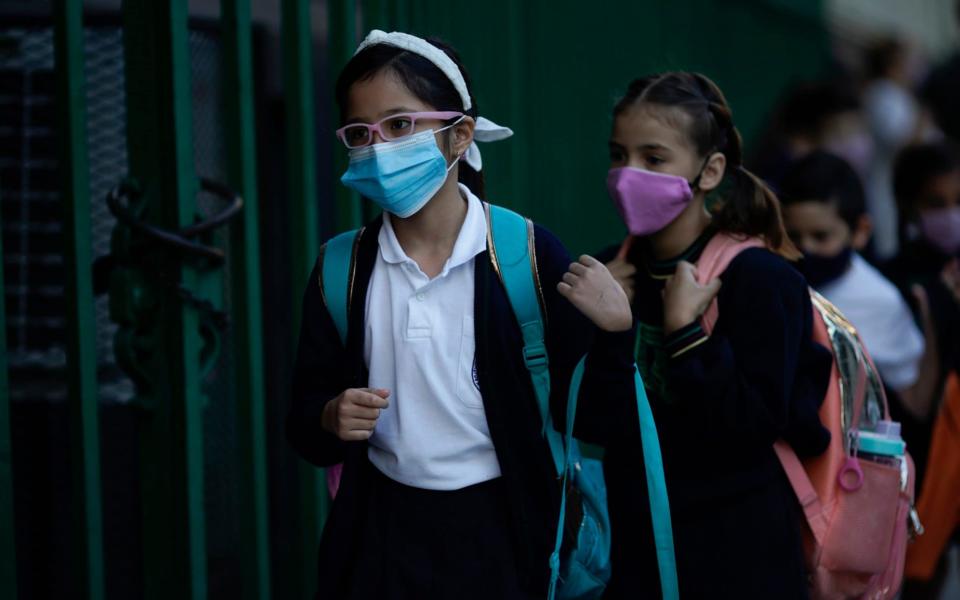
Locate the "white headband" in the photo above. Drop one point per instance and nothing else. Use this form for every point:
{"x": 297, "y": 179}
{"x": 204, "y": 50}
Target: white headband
{"x": 485, "y": 130}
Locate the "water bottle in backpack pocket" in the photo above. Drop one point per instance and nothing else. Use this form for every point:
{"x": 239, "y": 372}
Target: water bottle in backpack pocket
{"x": 857, "y": 497}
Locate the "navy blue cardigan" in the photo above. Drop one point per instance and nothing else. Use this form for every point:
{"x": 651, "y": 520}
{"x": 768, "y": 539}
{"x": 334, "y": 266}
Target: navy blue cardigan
{"x": 720, "y": 402}
{"x": 323, "y": 370}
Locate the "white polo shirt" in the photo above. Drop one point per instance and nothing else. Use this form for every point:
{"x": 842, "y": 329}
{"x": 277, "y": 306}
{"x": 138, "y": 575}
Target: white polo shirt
{"x": 419, "y": 344}
{"x": 881, "y": 316}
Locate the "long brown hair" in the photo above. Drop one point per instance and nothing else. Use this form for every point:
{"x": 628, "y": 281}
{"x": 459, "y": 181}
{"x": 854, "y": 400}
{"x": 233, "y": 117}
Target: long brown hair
{"x": 749, "y": 207}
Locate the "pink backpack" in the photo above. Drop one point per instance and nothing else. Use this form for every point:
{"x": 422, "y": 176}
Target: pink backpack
{"x": 856, "y": 510}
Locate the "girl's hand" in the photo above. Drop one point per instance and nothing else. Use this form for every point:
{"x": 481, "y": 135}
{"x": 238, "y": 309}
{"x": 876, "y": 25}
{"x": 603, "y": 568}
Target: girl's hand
{"x": 684, "y": 300}
{"x": 918, "y": 399}
{"x": 352, "y": 415}
{"x": 590, "y": 287}
{"x": 950, "y": 276}
{"x": 624, "y": 273}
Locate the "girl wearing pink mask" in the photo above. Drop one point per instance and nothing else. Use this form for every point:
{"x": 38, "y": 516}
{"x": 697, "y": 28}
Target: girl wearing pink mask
{"x": 721, "y": 400}
{"x": 926, "y": 183}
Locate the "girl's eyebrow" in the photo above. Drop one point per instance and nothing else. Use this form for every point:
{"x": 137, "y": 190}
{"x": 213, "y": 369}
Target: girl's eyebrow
{"x": 398, "y": 110}
{"x": 386, "y": 113}
{"x": 654, "y": 147}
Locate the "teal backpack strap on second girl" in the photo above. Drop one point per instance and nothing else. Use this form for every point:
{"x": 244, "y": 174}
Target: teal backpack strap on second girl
{"x": 585, "y": 570}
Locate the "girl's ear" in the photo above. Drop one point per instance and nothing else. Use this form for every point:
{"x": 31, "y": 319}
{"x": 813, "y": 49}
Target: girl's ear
{"x": 861, "y": 233}
{"x": 462, "y": 135}
{"x": 713, "y": 172}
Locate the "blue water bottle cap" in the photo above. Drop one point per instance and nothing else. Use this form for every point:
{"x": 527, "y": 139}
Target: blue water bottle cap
{"x": 868, "y": 441}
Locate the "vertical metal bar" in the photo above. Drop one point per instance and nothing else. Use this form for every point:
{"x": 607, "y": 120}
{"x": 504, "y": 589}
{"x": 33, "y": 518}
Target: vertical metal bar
{"x": 305, "y": 245}
{"x": 8, "y": 547}
{"x": 81, "y": 334}
{"x": 247, "y": 308}
{"x": 300, "y": 131}
{"x": 342, "y": 16}
{"x": 160, "y": 147}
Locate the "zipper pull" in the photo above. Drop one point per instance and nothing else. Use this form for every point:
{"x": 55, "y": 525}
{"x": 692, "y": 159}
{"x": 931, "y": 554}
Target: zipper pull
{"x": 916, "y": 527}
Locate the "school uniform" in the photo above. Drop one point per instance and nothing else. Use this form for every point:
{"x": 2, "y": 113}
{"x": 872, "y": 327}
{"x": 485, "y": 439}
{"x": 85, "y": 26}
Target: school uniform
{"x": 882, "y": 318}
{"x": 720, "y": 402}
{"x": 455, "y": 494}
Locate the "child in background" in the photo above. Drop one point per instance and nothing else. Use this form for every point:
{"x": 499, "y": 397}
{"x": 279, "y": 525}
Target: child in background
{"x": 820, "y": 115}
{"x": 927, "y": 187}
{"x": 826, "y": 216}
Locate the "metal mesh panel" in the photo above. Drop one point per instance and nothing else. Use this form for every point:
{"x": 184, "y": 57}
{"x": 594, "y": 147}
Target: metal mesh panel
{"x": 35, "y": 317}
{"x": 32, "y": 207}
{"x": 34, "y": 288}
{"x": 220, "y": 435}
{"x": 32, "y": 233}
{"x": 107, "y": 156}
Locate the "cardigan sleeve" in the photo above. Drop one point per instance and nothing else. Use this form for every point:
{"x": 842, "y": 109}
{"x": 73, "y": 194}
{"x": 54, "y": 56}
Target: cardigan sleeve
{"x": 606, "y": 406}
{"x": 318, "y": 378}
{"x": 759, "y": 376}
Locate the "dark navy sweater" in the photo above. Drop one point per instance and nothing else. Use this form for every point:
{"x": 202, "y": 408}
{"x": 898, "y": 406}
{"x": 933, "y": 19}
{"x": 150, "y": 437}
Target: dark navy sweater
{"x": 720, "y": 402}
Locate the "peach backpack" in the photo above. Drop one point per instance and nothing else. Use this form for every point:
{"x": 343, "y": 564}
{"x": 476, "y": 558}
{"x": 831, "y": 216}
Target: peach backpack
{"x": 857, "y": 508}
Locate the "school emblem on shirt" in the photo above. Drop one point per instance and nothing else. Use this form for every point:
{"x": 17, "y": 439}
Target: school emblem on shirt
{"x": 652, "y": 359}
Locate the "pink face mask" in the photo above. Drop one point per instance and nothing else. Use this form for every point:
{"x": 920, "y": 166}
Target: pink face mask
{"x": 647, "y": 201}
{"x": 941, "y": 227}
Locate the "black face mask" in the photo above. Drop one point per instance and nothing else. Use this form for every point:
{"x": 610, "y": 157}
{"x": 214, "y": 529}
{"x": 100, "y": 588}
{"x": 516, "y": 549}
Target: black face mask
{"x": 821, "y": 270}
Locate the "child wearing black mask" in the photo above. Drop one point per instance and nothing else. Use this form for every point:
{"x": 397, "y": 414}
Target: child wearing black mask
{"x": 927, "y": 188}
{"x": 825, "y": 214}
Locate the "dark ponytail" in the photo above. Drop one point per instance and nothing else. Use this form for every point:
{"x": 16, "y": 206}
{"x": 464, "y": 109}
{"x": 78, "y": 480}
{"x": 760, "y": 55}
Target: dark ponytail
{"x": 748, "y": 206}
{"x": 424, "y": 80}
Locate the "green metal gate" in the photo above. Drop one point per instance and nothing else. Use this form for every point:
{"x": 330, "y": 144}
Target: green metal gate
{"x": 185, "y": 269}
{"x": 185, "y": 263}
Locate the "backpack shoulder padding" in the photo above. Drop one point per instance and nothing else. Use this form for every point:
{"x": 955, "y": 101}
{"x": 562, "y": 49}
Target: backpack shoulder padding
{"x": 337, "y": 266}
{"x": 716, "y": 257}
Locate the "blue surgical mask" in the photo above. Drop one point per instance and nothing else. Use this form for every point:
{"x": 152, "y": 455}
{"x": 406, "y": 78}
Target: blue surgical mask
{"x": 401, "y": 176}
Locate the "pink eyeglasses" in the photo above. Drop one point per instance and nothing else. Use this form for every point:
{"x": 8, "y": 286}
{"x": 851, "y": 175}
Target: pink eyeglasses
{"x": 394, "y": 127}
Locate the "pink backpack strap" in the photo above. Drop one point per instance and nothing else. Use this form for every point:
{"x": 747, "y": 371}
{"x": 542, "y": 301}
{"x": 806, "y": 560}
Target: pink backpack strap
{"x": 804, "y": 490}
{"x": 716, "y": 257}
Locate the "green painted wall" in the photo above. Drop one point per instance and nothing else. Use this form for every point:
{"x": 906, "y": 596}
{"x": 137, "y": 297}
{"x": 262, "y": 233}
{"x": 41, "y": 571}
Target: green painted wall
{"x": 553, "y": 70}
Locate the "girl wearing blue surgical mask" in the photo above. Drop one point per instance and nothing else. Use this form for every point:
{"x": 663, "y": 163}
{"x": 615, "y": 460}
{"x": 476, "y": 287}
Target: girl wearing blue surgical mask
{"x": 720, "y": 400}
{"x": 448, "y": 487}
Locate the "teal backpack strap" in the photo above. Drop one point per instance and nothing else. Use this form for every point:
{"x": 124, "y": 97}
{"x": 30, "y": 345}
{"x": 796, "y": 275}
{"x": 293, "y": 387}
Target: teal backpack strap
{"x": 574, "y": 393}
{"x": 513, "y": 256}
{"x": 337, "y": 265}
{"x": 657, "y": 491}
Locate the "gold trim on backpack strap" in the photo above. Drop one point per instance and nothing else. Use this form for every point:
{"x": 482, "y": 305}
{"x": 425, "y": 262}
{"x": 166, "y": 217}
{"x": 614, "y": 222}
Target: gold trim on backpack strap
{"x": 323, "y": 294}
{"x": 532, "y": 248}
{"x": 491, "y": 249}
{"x": 353, "y": 270}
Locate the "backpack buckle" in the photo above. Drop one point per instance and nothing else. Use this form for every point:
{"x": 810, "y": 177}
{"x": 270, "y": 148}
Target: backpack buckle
{"x": 535, "y": 355}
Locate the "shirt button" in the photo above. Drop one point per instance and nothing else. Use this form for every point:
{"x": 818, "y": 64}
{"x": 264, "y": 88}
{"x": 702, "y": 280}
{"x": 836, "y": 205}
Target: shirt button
{"x": 421, "y": 296}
